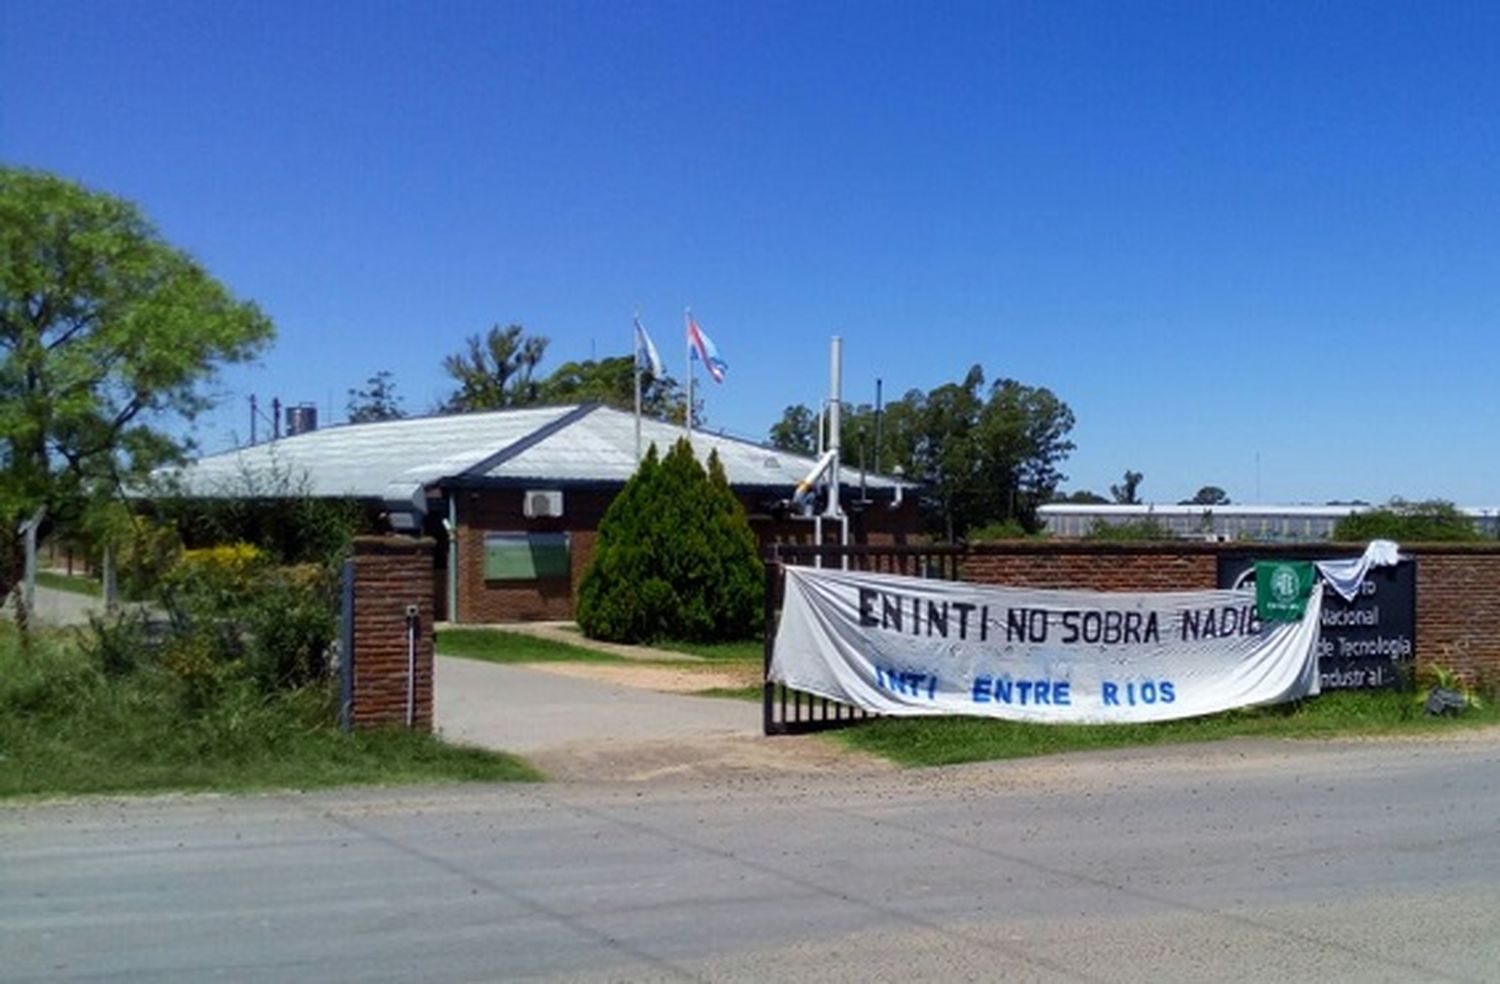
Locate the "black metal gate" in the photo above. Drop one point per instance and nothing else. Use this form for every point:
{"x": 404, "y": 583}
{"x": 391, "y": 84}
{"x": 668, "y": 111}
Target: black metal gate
{"x": 786, "y": 711}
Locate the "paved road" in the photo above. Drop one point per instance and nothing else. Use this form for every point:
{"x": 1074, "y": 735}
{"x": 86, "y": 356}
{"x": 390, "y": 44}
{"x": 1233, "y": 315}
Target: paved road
{"x": 1364, "y": 861}
{"x": 52, "y": 607}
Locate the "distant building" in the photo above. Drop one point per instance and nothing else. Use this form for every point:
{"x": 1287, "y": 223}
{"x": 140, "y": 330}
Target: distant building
{"x": 1267, "y": 523}
{"x": 514, "y": 497}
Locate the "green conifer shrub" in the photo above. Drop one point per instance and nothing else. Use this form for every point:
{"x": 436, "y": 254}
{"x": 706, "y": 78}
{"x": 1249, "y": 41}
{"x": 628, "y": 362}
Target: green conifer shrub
{"x": 675, "y": 558}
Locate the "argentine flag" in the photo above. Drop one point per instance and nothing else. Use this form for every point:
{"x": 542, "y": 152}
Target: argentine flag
{"x": 646, "y": 356}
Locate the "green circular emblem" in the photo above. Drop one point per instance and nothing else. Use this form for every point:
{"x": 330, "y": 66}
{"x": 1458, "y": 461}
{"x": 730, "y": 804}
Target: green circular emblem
{"x": 1284, "y": 585}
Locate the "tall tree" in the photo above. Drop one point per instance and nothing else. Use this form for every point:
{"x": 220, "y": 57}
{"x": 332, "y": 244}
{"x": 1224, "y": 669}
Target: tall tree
{"x": 1082, "y": 497}
{"x": 983, "y": 455}
{"x": 612, "y": 381}
{"x": 675, "y": 557}
{"x": 796, "y": 431}
{"x": 1209, "y": 495}
{"x": 377, "y": 401}
{"x": 495, "y": 371}
{"x": 1127, "y": 493}
{"x": 107, "y": 334}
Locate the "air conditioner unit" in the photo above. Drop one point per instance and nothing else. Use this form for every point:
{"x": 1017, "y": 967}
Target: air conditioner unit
{"x": 543, "y": 505}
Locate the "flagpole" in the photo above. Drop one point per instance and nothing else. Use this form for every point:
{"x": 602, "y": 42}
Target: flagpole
{"x": 637, "y": 359}
{"x": 687, "y": 318}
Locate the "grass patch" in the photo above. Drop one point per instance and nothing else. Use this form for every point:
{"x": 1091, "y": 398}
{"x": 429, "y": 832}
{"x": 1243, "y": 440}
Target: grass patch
{"x": 499, "y": 646}
{"x": 66, "y": 727}
{"x": 70, "y": 583}
{"x": 739, "y": 651}
{"x": 951, "y": 740}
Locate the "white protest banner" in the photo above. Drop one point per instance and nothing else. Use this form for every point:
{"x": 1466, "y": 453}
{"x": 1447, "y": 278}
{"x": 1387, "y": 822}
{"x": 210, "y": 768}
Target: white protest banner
{"x": 908, "y": 646}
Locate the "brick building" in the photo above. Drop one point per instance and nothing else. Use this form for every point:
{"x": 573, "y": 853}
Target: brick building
{"x": 513, "y": 498}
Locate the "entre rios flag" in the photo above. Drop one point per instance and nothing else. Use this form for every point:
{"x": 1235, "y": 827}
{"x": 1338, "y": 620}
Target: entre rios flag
{"x": 1282, "y": 588}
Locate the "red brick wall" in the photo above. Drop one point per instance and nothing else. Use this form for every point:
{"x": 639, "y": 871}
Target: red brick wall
{"x": 391, "y": 573}
{"x": 500, "y": 510}
{"x": 1458, "y": 585}
{"x": 1094, "y": 566}
{"x": 1458, "y": 611}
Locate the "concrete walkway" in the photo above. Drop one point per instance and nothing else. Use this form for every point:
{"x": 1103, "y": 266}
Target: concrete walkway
{"x": 580, "y": 729}
{"x": 526, "y": 710}
{"x": 53, "y": 607}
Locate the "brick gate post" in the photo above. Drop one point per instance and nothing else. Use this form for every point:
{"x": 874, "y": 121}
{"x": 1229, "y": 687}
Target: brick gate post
{"x": 391, "y": 655}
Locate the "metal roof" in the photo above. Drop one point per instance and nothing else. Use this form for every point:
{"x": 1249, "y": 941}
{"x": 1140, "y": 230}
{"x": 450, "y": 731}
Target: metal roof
{"x": 391, "y": 459}
{"x": 1145, "y": 510}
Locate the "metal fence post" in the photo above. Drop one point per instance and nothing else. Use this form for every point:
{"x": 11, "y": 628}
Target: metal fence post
{"x": 768, "y": 689}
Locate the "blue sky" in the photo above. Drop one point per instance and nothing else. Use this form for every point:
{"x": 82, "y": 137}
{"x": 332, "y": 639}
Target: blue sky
{"x": 1252, "y": 245}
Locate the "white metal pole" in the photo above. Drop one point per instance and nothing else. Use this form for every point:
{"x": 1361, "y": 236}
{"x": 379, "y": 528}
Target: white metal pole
{"x": 28, "y": 586}
{"x": 452, "y": 557}
{"x": 835, "y": 419}
{"x": 835, "y": 437}
{"x": 411, "y": 669}
{"x": 687, "y": 319}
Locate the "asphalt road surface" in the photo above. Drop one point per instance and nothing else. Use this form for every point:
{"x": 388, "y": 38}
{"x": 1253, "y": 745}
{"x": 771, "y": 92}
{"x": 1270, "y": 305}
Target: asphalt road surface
{"x": 1356, "y": 861}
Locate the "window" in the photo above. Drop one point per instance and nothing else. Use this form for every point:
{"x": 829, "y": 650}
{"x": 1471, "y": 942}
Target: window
{"x": 526, "y": 556}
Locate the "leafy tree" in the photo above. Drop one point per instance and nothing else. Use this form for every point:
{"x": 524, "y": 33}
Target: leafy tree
{"x": 796, "y": 431}
{"x": 675, "y": 558}
{"x": 107, "y": 333}
{"x": 1409, "y": 522}
{"x": 983, "y": 455}
{"x": 495, "y": 371}
{"x": 1209, "y": 495}
{"x": 1082, "y": 497}
{"x": 1126, "y": 494}
{"x": 612, "y": 381}
{"x": 377, "y": 401}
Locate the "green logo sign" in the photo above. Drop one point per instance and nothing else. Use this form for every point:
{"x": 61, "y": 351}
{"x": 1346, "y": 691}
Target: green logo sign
{"x": 1282, "y": 589}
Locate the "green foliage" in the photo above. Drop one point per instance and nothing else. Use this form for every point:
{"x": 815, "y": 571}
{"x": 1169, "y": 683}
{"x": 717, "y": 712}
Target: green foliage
{"x": 1209, "y": 495}
{"x": 981, "y": 454}
{"x": 675, "y": 558}
{"x": 1126, "y": 493}
{"x": 145, "y": 550}
{"x": 1007, "y": 529}
{"x": 71, "y": 583}
{"x": 611, "y": 381}
{"x": 106, "y": 331}
{"x": 237, "y": 615}
{"x": 1427, "y": 521}
{"x": 499, "y": 646}
{"x": 1440, "y": 677}
{"x": 1142, "y": 529}
{"x": 797, "y": 430}
{"x": 495, "y": 371}
{"x": 271, "y": 510}
{"x": 377, "y": 401}
{"x": 66, "y": 727}
{"x": 1082, "y": 497}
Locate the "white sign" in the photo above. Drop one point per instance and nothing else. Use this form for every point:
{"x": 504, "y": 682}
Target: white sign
{"x": 908, "y": 646}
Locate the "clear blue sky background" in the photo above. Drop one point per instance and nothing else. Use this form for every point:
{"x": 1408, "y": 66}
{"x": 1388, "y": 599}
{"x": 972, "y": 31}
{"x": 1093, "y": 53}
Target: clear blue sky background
{"x": 1223, "y": 233}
